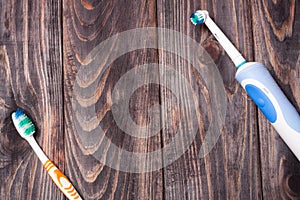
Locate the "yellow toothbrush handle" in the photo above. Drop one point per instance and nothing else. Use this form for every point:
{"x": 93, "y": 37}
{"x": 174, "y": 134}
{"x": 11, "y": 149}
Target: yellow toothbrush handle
{"x": 61, "y": 181}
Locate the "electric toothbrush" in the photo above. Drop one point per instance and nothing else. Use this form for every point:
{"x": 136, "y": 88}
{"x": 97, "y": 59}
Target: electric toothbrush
{"x": 260, "y": 86}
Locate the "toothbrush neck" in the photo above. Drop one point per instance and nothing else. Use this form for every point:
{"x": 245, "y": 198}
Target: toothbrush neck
{"x": 37, "y": 149}
{"x": 230, "y": 49}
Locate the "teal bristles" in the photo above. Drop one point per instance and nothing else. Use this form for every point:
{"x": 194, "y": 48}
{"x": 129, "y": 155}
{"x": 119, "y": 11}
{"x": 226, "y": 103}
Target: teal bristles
{"x": 197, "y": 18}
{"x": 23, "y": 124}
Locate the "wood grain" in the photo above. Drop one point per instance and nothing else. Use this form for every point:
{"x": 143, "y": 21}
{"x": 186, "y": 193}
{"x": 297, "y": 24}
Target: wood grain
{"x": 31, "y": 78}
{"x": 44, "y": 45}
{"x": 232, "y": 169}
{"x": 277, "y": 45}
{"x": 86, "y": 25}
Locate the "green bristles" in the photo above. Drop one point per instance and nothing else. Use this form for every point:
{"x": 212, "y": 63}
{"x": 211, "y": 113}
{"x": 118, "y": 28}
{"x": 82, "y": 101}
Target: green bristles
{"x": 23, "y": 124}
{"x": 29, "y": 130}
{"x": 197, "y": 18}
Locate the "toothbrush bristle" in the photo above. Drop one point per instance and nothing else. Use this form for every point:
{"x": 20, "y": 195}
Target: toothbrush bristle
{"x": 197, "y": 18}
{"x": 23, "y": 124}
{"x": 19, "y": 112}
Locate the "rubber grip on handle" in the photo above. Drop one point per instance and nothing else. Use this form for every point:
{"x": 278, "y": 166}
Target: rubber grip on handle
{"x": 264, "y": 91}
{"x": 61, "y": 181}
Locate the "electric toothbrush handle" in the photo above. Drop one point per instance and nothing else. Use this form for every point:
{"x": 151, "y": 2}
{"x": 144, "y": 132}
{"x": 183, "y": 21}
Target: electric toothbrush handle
{"x": 61, "y": 181}
{"x": 264, "y": 91}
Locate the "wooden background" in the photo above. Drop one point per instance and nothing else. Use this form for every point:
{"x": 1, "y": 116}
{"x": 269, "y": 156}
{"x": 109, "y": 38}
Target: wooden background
{"x": 43, "y": 43}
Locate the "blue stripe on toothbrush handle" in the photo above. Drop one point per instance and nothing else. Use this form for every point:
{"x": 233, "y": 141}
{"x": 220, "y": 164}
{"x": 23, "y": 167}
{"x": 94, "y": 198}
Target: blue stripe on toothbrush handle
{"x": 256, "y": 72}
{"x": 244, "y": 62}
{"x": 261, "y": 87}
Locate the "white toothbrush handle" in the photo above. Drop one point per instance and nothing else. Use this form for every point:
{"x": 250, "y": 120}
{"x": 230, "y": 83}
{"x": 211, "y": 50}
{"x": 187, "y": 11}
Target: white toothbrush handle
{"x": 37, "y": 149}
{"x": 230, "y": 49}
{"x": 61, "y": 181}
{"x": 261, "y": 87}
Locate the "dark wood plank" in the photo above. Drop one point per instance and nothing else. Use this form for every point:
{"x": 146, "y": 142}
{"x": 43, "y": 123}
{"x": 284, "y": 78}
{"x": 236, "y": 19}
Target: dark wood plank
{"x": 87, "y": 25}
{"x": 249, "y": 160}
{"x": 31, "y": 78}
{"x": 232, "y": 169}
{"x": 277, "y": 45}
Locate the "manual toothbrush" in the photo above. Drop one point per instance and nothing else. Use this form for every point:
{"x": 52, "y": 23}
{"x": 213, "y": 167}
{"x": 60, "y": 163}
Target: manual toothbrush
{"x": 26, "y": 129}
